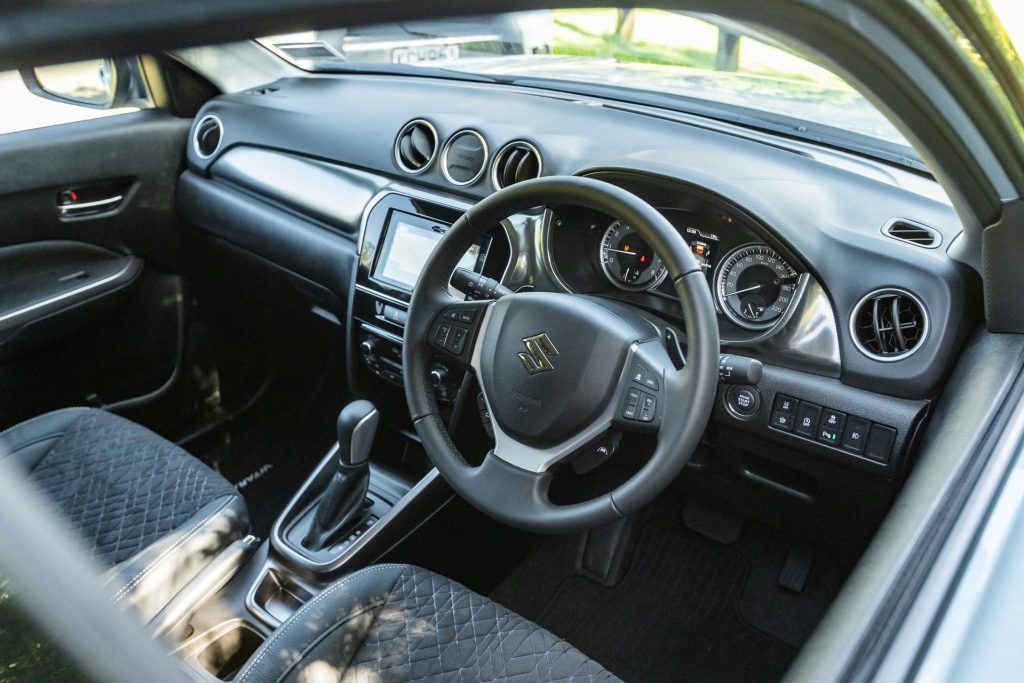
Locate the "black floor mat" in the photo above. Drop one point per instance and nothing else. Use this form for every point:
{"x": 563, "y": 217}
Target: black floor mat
{"x": 689, "y": 609}
{"x": 268, "y": 451}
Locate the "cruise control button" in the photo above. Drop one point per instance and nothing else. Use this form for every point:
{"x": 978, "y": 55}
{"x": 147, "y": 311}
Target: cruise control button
{"x": 856, "y": 434}
{"x": 451, "y": 314}
{"x": 650, "y": 380}
{"x": 631, "y": 406}
{"x": 807, "y": 417}
{"x": 648, "y": 407}
{"x": 785, "y": 404}
{"x": 637, "y": 373}
{"x": 457, "y": 340}
{"x": 441, "y": 335}
{"x": 782, "y": 420}
{"x": 466, "y": 315}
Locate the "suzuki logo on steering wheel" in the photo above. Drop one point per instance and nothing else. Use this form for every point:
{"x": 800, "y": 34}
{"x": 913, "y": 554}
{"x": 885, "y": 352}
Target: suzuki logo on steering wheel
{"x": 535, "y": 358}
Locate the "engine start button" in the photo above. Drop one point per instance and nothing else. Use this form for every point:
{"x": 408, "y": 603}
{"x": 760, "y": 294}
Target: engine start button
{"x": 743, "y": 402}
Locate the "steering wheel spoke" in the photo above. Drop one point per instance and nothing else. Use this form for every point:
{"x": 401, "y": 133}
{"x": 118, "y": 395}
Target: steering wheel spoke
{"x": 643, "y": 389}
{"x": 456, "y": 330}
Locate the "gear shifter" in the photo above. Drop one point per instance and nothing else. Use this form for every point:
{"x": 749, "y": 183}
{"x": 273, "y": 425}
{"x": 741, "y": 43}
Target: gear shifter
{"x": 342, "y": 501}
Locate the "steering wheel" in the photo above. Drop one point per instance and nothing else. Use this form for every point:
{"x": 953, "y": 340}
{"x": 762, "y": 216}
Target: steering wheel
{"x": 558, "y": 371}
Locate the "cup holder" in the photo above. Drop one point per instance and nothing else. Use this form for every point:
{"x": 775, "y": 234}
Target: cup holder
{"x": 225, "y": 656}
{"x": 278, "y": 596}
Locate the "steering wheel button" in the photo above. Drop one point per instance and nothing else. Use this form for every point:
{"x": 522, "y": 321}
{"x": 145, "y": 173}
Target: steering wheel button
{"x": 648, "y": 407}
{"x": 650, "y": 381}
{"x": 441, "y": 335}
{"x": 631, "y": 405}
{"x": 452, "y": 314}
{"x": 457, "y": 340}
{"x": 466, "y": 316}
{"x": 638, "y": 373}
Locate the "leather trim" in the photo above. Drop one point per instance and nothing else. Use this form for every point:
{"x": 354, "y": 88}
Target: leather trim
{"x": 284, "y": 649}
{"x": 149, "y": 580}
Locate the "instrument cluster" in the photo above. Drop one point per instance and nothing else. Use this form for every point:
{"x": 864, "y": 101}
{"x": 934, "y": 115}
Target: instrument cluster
{"x": 753, "y": 284}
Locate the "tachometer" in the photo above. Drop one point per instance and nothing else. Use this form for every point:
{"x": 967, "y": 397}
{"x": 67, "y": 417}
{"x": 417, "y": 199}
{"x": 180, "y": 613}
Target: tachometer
{"x": 754, "y": 286}
{"x": 628, "y": 261}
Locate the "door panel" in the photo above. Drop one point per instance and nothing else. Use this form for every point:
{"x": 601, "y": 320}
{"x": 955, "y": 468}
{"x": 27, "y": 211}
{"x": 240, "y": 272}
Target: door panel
{"x": 90, "y": 248}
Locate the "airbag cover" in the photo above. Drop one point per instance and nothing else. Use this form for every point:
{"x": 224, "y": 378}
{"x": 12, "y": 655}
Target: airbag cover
{"x": 550, "y": 364}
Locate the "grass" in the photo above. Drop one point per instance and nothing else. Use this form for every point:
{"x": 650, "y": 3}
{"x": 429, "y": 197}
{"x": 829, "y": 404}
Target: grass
{"x": 669, "y": 39}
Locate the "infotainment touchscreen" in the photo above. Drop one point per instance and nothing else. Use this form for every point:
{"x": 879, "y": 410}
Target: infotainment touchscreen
{"x": 409, "y": 240}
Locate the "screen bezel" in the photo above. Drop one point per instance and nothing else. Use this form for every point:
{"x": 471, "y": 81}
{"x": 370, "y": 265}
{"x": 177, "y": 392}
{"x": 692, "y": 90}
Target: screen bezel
{"x": 419, "y": 221}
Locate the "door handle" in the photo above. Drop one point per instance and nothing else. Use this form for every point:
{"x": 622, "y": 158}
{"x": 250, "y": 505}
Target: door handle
{"x": 74, "y": 209}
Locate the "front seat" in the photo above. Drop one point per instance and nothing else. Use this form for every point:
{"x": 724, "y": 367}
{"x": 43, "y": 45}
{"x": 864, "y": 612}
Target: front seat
{"x": 149, "y": 512}
{"x": 394, "y": 622}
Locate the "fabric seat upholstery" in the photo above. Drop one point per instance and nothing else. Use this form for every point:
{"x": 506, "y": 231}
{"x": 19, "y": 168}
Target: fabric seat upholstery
{"x": 150, "y": 512}
{"x": 396, "y": 623}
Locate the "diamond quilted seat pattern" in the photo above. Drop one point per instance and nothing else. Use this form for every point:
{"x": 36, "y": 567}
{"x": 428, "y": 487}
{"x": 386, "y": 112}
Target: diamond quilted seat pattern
{"x": 398, "y": 623}
{"x": 120, "y": 486}
{"x": 433, "y": 629}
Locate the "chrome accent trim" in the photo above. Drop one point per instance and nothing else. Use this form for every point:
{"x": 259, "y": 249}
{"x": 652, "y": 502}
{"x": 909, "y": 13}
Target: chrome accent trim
{"x": 504, "y": 151}
{"x": 195, "y": 136}
{"x": 71, "y": 210}
{"x": 74, "y": 292}
{"x": 539, "y": 460}
{"x": 884, "y": 291}
{"x": 447, "y": 147}
{"x": 360, "y": 446}
{"x": 807, "y": 333}
{"x": 390, "y": 336}
{"x": 398, "y": 138}
{"x": 382, "y": 295}
{"x": 917, "y": 224}
{"x": 723, "y": 306}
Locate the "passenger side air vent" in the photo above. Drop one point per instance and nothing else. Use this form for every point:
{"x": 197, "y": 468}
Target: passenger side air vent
{"x": 914, "y": 233}
{"x": 889, "y": 324}
{"x": 515, "y": 162}
{"x": 464, "y": 157}
{"x": 416, "y": 146}
{"x": 208, "y": 136}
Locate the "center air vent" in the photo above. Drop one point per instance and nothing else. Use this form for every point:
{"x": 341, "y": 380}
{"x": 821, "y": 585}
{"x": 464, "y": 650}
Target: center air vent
{"x": 208, "y": 136}
{"x": 889, "y": 324}
{"x": 515, "y": 162}
{"x": 464, "y": 157}
{"x": 415, "y": 146}
{"x": 914, "y": 233}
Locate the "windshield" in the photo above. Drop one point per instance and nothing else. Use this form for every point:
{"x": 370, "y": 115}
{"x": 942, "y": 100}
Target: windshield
{"x": 627, "y": 54}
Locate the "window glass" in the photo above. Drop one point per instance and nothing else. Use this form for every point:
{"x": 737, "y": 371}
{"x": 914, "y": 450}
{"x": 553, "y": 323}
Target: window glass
{"x": 24, "y": 110}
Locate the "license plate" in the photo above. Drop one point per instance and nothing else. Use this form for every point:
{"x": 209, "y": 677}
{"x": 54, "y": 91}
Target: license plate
{"x": 424, "y": 53}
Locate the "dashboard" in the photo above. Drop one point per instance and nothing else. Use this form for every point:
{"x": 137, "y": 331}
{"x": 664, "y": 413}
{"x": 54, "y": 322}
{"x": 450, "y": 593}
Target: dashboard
{"x": 836, "y": 273}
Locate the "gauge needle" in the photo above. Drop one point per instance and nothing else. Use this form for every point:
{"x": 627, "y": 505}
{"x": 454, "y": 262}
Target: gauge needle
{"x": 751, "y": 312}
{"x": 748, "y": 289}
{"x": 620, "y": 251}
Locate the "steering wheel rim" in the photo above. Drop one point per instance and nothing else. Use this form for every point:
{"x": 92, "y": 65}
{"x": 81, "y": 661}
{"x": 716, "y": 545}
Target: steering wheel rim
{"x": 516, "y": 494}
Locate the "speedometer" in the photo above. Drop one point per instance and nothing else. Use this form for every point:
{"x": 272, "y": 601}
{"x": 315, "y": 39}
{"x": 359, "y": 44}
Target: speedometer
{"x": 754, "y": 286}
{"x": 628, "y": 261}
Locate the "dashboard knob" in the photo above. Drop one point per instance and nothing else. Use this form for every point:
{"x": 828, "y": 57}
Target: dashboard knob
{"x": 369, "y": 347}
{"x": 438, "y": 375}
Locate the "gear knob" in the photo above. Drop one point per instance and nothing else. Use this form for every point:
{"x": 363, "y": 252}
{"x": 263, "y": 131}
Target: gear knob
{"x": 357, "y": 425}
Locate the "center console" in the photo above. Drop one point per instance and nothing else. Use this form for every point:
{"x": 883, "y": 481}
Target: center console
{"x": 399, "y": 232}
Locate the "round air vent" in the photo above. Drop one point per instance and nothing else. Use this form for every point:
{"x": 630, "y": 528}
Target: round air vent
{"x": 416, "y": 146}
{"x": 464, "y": 157}
{"x": 515, "y": 162}
{"x": 889, "y": 324}
{"x": 208, "y": 136}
